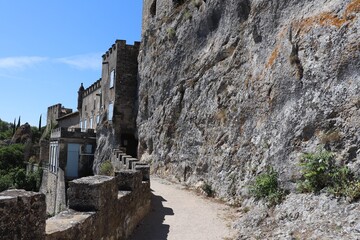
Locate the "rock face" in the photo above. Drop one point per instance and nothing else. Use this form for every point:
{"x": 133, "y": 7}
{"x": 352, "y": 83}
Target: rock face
{"x": 229, "y": 87}
{"x": 23, "y": 134}
{"x": 105, "y": 142}
{"x": 302, "y": 216}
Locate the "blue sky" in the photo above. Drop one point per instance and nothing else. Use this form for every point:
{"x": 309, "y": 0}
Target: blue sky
{"x": 49, "y": 47}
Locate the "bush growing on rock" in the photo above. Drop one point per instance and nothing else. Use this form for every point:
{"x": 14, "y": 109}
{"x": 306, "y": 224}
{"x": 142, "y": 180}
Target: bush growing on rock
{"x": 266, "y": 186}
{"x": 320, "y": 172}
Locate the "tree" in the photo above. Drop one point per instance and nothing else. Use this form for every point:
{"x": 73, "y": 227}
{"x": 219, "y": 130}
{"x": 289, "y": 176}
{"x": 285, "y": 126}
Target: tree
{"x": 40, "y": 123}
{"x": 18, "y": 125}
{"x": 14, "y": 127}
{"x": 11, "y": 156}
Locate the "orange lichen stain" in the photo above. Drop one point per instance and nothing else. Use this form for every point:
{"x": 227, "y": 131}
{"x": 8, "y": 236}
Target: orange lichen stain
{"x": 273, "y": 57}
{"x": 327, "y": 19}
{"x": 353, "y": 7}
{"x": 324, "y": 19}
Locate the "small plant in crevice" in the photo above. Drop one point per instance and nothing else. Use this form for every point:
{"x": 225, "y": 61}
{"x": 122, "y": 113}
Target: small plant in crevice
{"x": 207, "y": 188}
{"x": 266, "y": 186}
{"x": 106, "y": 168}
{"x": 171, "y": 33}
{"x": 187, "y": 15}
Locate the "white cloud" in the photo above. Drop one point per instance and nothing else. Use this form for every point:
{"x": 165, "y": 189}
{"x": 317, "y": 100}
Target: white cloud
{"x": 88, "y": 61}
{"x": 20, "y": 62}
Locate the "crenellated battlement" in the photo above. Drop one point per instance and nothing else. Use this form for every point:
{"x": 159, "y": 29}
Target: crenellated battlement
{"x": 119, "y": 44}
{"x": 95, "y": 86}
{"x": 100, "y": 207}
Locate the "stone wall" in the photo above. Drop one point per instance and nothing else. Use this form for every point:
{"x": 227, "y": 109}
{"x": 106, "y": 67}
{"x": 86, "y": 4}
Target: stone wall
{"x": 91, "y": 106}
{"x": 114, "y": 205}
{"x": 53, "y": 186}
{"x": 22, "y": 215}
{"x": 54, "y": 112}
{"x": 100, "y": 207}
{"x": 69, "y": 121}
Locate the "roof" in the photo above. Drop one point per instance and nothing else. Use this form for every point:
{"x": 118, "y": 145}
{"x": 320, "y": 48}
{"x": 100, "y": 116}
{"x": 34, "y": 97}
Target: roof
{"x": 68, "y": 115}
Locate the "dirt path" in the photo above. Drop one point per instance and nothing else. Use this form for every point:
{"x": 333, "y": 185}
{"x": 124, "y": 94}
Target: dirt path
{"x": 179, "y": 214}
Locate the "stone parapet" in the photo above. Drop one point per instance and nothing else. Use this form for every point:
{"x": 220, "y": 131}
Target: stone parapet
{"x": 100, "y": 207}
{"x": 22, "y": 215}
{"x": 91, "y": 193}
{"x": 128, "y": 180}
{"x": 105, "y": 208}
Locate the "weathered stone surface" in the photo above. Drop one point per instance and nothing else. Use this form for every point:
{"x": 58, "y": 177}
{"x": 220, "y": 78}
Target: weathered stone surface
{"x": 301, "y": 216}
{"x": 91, "y": 193}
{"x": 246, "y": 84}
{"x": 22, "y": 215}
{"x": 144, "y": 169}
{"x": 131, "y": 161}
{"x": 105, "y": 142}
{"x": 23, "y": 134}
{"x": 230, "y": 87}
{"x": 114, "y": 220}
{"x": 128, "y": 180}
{"x": 53, "y": 186}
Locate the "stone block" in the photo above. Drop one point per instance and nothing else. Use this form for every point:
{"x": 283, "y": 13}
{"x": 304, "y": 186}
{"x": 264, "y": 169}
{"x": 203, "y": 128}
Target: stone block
{"x": 128, "y": 180}
{"x": 124, "y": 158}
{"x": 130, "y": 162}
{"x": 145, "y": 171}
{"x": 91, "y": 193}
{"x": 22, "y": 215}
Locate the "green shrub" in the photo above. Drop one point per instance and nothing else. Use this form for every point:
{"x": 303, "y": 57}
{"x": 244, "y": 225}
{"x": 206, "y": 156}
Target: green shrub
{"x": 352, "y": 191}
{"x": 11, "y": 156}
{"x": 320, "y": 172}
{"x": 106, "y": 168}
{"x": 5, "y": 182}
{"x": 317, "y": 170}
{"x": 33, "y": 181}
{"x": 266, "y": 186}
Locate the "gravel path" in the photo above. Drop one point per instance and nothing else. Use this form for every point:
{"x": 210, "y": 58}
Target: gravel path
{"x": 180, "y": 214}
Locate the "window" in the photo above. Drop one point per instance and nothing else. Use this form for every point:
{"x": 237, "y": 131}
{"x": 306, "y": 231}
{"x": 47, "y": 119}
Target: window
{"x": 110, "y": 111}
{"x": 84, "y": 126}
{"x": 91, "y": 122}
{"x": 54, "y": 157}
{"x": 97, "y": 119}
{"x": 112, "y": 78}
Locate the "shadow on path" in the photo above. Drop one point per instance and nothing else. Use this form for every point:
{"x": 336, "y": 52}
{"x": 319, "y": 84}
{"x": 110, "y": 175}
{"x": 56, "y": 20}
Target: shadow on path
{"x": 152, "y": 227}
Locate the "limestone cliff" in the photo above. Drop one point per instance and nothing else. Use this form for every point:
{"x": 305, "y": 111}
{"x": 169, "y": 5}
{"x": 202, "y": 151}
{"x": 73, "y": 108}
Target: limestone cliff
{"x": 229, "y": 87}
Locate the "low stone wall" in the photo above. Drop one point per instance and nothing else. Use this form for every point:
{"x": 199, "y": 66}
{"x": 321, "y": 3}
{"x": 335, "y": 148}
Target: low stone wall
{"x": 22, "y": 215}
{"x": 100, "y": 207}
{"x": 53, "y": 186}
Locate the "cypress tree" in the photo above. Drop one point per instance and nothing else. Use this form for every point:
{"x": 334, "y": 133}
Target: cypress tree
{"x": 40, "y": 123}
{"x": 18, "y": 125}
{"x": 14, "y": 126}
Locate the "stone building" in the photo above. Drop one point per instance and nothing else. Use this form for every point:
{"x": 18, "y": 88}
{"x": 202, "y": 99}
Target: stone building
{"x": 119, "y": 92}
{"x": 111, "y": 101}
{"x": 90, "y": 105}
{"x": 54, "y": 113}
{"x": 71, "y": 155}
